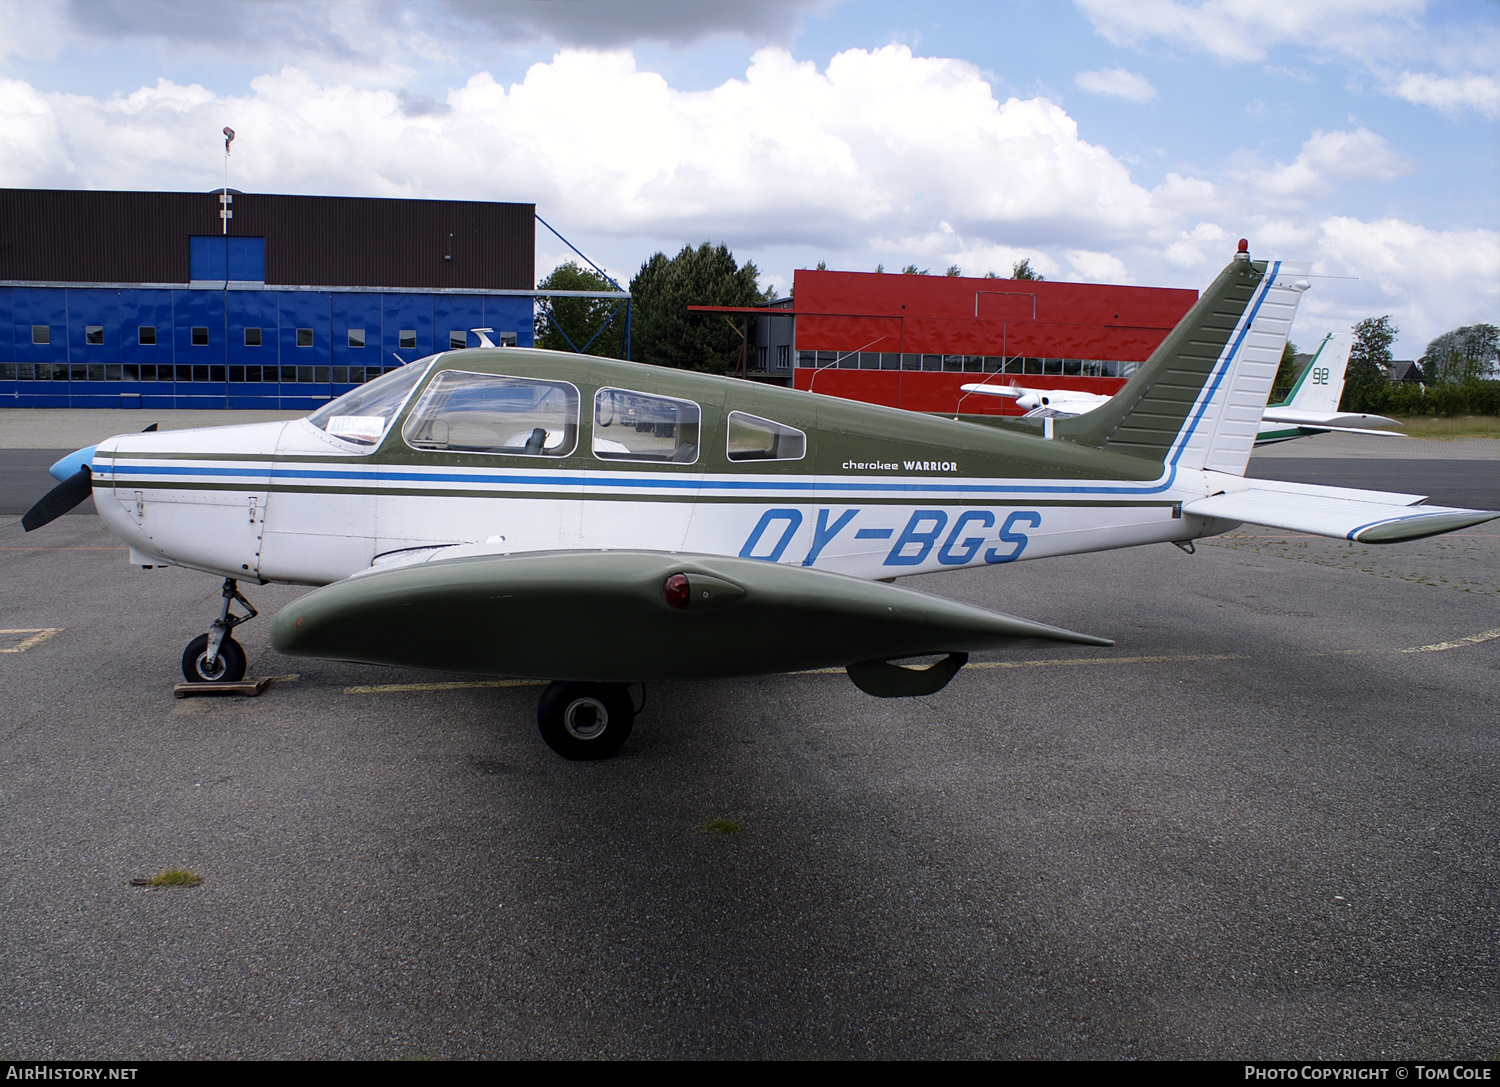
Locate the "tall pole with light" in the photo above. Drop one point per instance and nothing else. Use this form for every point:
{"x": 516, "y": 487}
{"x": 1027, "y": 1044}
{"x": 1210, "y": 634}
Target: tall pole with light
{"x": 225, "y": 214}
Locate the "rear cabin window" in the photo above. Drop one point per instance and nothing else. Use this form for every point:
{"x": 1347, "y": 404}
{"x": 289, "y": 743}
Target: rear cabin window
{"x": 754, "y": 438}
{"x": 464, "y": 412}
{"x": 639, "y": 426}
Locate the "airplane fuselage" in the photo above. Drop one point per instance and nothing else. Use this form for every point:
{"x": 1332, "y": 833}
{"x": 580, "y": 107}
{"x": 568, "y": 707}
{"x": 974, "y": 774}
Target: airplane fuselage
{"x": 627, "y": 457}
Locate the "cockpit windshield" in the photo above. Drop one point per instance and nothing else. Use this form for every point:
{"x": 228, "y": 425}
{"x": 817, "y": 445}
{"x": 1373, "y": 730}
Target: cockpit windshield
{"x": 364, "y": 414}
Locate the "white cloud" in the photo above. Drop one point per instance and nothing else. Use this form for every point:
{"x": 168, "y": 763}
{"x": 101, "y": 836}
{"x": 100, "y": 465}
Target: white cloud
{"x": 1450, "y": 94}
{"x": 788, "y": 152}
{"x": 1386, "y": 38}
{"x": 1329, "y": 159}
{"x": 30, "y": 31}
{"x": 1233, "y": 30}
{"x": 1431, "y": 280}
{"x": 1117, "y": 82}
{"x": 1188, "y": 251}
{"x": 1097, "y": 267}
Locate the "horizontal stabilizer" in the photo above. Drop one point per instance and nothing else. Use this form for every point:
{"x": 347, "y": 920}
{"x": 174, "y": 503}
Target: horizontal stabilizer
{"x": 633, "y": 616}
{"x": 1319, "y": 512}
{"x": 1012, "y": 391}
{"x": 1329, "y": 419}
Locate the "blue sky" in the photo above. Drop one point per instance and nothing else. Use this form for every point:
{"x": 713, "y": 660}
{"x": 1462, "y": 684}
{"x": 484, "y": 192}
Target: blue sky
{"x": 1123, "y": 141}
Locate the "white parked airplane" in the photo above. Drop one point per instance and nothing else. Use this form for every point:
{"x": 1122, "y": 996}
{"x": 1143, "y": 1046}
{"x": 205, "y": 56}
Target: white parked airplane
{"x": 599, "y": 523}
{"x": 1311, "y": 407}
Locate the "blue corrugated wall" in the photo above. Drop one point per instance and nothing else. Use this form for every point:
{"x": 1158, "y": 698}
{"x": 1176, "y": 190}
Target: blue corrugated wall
{"x": 83, "y": 346}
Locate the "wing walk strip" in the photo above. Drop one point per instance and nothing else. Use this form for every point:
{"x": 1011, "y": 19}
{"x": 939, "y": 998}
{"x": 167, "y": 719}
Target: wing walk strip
{"x": 1184, "y": 658}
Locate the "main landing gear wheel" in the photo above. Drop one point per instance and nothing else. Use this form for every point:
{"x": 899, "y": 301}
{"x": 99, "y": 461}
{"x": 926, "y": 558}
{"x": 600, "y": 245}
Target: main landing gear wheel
{"x": 585, "y": 720}
{"x": 227, "y": 667}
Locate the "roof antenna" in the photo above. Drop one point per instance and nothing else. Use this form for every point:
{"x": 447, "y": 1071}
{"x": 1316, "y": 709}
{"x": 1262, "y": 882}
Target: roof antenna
{"x": 225, "y": 214}
{"x": 484, "y": 341}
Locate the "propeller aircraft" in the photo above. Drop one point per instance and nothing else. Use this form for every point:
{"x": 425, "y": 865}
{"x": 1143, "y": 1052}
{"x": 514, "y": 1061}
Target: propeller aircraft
{"x": 598, "y": 523}
{"x": 1310, "y": 407}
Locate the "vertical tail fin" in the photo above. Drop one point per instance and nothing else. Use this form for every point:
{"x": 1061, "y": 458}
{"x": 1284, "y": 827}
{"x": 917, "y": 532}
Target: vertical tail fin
{"x": 1197, "y": 401}
{"x": 1321, "y": 383}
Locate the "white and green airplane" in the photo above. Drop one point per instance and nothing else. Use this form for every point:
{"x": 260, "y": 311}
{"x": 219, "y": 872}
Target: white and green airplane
{"x": 1311, "y": 407}
{"x": 600, "y": 523}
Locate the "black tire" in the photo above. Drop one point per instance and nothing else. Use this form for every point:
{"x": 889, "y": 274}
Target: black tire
{"x": 231, "y": 662}
{"x": 585, "y": 720}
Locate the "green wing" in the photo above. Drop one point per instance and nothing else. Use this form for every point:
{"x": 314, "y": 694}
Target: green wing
{"x": 605, "y": 616}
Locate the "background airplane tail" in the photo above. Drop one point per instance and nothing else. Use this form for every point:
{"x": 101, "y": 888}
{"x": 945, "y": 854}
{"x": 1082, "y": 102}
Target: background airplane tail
{"x": 1321, "y": 383}
{"x": 1197, "y": 401}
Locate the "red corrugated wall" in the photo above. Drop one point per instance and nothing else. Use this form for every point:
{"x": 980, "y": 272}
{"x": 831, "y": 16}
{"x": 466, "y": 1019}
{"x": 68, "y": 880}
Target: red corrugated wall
{"x": 953, "y": 315}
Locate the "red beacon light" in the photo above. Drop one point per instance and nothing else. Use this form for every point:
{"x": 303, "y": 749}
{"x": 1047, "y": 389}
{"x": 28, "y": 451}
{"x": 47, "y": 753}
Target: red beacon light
{"x": 676, "y": 590}
{"x": 1243, "y": 252}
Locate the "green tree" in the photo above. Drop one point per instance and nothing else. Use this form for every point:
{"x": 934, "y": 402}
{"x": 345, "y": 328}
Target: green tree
{"x": 662, "y": 330}
{"x": 1286, "y": 373}
{"x": 913, "y": 270}
{"x": 1022, "y": 270}
{"x": 954, "y": 270}
{"x": 1369, "y": 362}
{"x": 1464, "y": 355}
{"x": 580, "y": 320}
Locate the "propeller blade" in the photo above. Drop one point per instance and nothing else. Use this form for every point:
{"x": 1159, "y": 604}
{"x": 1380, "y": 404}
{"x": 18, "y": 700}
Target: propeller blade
{"x": 59, "y": 500}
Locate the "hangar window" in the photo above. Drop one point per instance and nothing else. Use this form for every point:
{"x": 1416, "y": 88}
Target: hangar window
{"x": 252, "y": 337}
{"x": 356, "y": 337}
{"x": 362, "y": 415}
{"x": 408, "y": 338}
{"x": 200, "y": 335}
{"x": 639, "y": 426}
{"x": 93, "y": 334}
{"x": 146, "y": 335}
{"x": 754, "y": 438}
{"x": 458, "y": 339}
{"x": 304, "y": 337}
{"x": 41, "y": 334}
{"x": 486, "y": 413}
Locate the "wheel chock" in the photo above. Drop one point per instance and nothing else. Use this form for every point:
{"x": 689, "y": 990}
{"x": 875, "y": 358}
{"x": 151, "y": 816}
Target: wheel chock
{"x": 247, "y": 687}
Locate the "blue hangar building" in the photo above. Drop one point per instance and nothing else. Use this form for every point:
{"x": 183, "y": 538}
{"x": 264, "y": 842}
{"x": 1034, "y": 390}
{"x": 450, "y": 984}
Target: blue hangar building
{"x": 141, "y": 299}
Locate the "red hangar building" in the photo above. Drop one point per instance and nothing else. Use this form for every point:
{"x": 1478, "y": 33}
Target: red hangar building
{"x": 911, "y": 341}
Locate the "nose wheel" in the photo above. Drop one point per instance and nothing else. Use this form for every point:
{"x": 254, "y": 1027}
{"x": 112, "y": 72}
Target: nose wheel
{"x": 585, "y": 720}
{"x": 215, "y": 657}
{"x": 227, "y": 666}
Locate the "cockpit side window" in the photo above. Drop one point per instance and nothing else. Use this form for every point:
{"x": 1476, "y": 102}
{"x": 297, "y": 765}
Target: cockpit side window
{"x": 643, "y": 427}
{"x": 753, "y": 438}
{"x": 463, "y": 412}
{"x": 363, "y": 415}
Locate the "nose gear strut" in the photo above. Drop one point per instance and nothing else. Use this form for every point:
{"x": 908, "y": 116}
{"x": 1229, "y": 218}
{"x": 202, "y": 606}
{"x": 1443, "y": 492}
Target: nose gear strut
{"x": 216, "y": 657}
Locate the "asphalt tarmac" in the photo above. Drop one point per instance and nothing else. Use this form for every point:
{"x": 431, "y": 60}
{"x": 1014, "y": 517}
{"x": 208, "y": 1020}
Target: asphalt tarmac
{"x": 1263, "y": 825}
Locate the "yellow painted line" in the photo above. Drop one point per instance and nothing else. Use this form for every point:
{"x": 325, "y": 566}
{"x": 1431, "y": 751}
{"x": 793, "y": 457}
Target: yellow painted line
{"x": 1074, "y": 660}
{"x": 1177, "y": 658}
{"x": 458, "y": 685}
{"x": 1457, "y": 643}
{"x": 38, "y": 636}
{"x": 1115, "y": 660}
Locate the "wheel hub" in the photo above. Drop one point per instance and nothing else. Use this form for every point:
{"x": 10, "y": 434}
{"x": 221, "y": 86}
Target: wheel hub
{"x": 585, "y": 718}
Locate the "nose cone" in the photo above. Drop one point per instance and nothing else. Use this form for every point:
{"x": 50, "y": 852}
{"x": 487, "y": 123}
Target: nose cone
{"x": 68, "y": 467}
